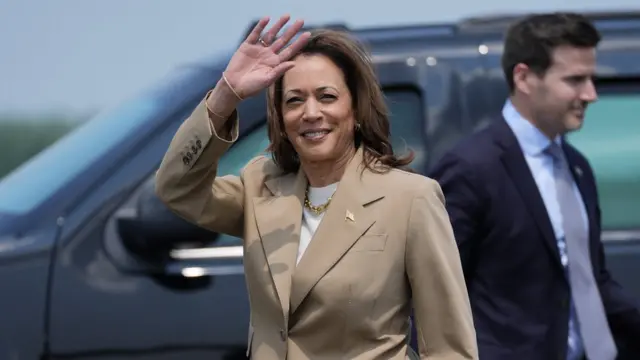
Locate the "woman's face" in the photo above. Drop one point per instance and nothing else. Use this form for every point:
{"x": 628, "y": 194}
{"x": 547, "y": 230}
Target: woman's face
{"x": 317, "y": 110}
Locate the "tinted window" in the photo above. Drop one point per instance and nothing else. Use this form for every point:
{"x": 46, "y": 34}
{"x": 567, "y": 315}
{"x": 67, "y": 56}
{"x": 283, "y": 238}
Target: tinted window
{"x": 610, "y": 139}
{"x": 407, "y": 125}
{"x": 248, "y": 147}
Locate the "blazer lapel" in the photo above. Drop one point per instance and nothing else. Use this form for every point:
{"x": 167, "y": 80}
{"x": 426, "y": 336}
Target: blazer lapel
{"x": 516, "y": 165}
{"x": 344, "y": 222}
{"x": 278, "y": 219}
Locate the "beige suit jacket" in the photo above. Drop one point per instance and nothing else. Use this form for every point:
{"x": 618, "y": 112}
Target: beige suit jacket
{"x": 385, "y": 240}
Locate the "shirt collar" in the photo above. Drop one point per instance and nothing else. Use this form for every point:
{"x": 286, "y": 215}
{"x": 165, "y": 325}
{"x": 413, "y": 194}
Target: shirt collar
{"x": 532, "y": 141}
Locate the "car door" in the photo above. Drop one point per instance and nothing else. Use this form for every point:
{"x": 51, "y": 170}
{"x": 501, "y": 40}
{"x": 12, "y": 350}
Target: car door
{"x": 126, "y": 281}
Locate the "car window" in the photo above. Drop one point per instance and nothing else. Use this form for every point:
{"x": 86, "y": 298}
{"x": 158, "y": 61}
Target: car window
{"x": 250, "y": 146}
{"x": 610, "y": 139}
{"x": 405, "y": 109}
{"x": 407, "y": 125}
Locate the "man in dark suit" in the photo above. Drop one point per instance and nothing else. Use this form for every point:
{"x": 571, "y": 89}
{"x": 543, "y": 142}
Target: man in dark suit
{"x": 525, "y": 212}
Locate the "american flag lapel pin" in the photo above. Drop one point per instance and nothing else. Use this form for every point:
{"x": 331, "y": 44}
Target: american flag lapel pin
{"x": 349, "y": 216}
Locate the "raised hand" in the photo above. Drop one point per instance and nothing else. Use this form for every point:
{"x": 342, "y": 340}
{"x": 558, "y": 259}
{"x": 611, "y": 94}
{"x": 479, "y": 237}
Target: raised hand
{"x": 259, "y": 61}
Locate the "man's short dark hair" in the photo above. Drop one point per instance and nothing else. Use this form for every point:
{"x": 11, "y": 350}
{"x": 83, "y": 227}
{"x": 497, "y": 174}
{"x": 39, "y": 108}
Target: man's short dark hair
{"x": 531, "y": 40}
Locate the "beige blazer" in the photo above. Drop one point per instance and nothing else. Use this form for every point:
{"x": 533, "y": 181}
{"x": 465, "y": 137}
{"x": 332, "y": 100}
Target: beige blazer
{"x": 385, "y": 240}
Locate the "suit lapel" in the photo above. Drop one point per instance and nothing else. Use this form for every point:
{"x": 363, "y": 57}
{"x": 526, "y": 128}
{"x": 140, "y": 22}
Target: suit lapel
{"x": 278, "y": 218}
{"x": 344, "y": 222}
{"x": 516, "y": 165}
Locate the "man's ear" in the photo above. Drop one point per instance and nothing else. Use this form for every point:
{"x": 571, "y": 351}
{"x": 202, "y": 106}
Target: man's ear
{"x": 524, "y": 79}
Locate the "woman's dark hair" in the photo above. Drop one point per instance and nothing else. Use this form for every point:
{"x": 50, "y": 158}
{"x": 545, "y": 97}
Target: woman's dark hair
{"x": 368, "y": 103}
{"x": 532, "y": 40}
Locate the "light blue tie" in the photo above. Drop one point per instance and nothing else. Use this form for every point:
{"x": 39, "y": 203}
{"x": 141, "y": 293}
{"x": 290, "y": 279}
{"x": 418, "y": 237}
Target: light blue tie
{"x": 592, "y": 321}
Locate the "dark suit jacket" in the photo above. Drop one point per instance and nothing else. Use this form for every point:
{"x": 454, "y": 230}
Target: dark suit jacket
{"x": 518, "y": 291}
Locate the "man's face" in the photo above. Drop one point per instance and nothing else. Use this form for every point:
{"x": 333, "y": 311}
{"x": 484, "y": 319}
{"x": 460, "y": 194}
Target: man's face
{"x": 558, "y": 99}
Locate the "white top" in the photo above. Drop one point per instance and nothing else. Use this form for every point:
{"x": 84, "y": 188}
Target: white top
{"x": 311, "y": 221}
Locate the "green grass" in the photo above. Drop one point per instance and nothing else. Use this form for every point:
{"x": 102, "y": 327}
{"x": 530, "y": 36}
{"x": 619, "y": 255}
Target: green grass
{"x": 22, "y": 138}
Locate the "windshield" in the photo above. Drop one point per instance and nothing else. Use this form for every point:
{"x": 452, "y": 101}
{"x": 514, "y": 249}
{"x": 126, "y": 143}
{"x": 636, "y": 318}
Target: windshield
{"x": 44, "y": 174}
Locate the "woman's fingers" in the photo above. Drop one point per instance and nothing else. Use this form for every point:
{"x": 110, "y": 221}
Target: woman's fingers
{"x": 279, "y": 70}
{"x": 271, "y": 35}
{"x": 254, "y": 35}
{"x": 287, "y": 36}
{"x": 277, "y": 46}
{"x": 295, "y": 47}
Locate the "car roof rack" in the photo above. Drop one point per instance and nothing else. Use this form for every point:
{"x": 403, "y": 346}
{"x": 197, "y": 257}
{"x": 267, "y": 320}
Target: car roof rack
{"x": 602, "y": 20}
{"x": 494, "y": 23}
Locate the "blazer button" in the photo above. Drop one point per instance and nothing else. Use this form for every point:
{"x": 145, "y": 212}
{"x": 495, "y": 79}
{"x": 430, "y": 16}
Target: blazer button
{"x": 283, "y": 335}
{"x": 199, "y": 144}
{"x": 194, "y": 149}
{"x": 186, "y": 160}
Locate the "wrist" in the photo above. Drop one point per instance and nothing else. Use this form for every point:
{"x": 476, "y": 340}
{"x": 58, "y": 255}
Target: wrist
{"x": 222, "y": 101}
{"x": 230, "y": 86}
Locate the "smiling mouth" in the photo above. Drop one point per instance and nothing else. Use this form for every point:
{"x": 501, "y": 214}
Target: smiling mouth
{"x": 315, "y": 134}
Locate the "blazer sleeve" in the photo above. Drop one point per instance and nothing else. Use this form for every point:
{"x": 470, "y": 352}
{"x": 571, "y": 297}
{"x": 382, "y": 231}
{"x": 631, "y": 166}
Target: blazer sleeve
{"x": 444, "y": 322}
{"x": 464, "y": 203}
{"x": 187, "y": 180}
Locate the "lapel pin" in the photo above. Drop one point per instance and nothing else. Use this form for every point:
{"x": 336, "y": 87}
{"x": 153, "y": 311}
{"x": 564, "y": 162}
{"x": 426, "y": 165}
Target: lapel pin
{"x": 349, "y": 216}
{"x": 578, "y": 171}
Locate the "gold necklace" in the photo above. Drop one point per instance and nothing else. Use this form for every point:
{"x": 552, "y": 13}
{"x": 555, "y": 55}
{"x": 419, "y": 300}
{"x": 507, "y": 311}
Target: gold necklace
{"x": 315, "y": 209}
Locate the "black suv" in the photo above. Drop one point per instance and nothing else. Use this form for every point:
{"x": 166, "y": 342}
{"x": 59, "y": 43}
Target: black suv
{"x": 93, "y": 266}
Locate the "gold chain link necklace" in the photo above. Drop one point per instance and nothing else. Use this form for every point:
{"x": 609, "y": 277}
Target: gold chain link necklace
{"x": 315, "y": 209}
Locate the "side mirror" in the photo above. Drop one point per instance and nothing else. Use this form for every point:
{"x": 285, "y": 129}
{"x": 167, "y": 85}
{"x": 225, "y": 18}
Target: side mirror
{"x": 155, "y": 230}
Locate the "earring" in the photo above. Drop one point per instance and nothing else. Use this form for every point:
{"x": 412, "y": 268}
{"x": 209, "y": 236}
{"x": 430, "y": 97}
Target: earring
{"x": 357, "y": 126}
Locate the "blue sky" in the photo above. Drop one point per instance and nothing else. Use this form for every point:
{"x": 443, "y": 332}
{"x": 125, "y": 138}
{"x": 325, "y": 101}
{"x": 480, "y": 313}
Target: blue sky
{"x": 79, "y": 55}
